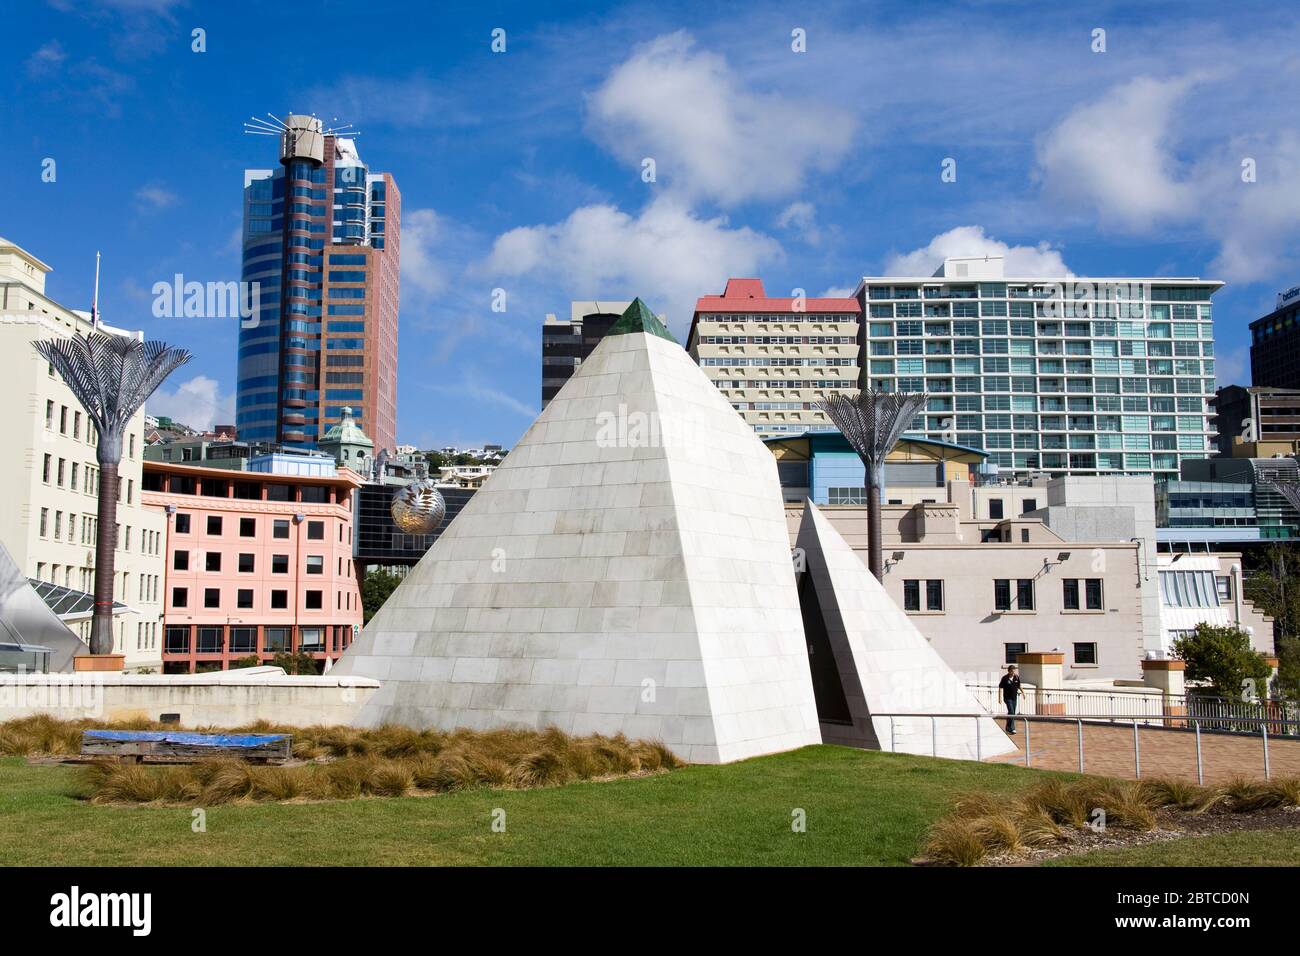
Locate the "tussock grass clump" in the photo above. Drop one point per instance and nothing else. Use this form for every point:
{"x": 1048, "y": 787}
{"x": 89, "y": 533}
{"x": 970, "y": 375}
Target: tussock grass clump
{"x": 1050, "y": 811}
{"x": 42, "y": 734}
{"x": 1251, "y": 796}
{"x": 1038, "y": 828}
{"x": 956, "y": 841}
{"x": 1062, "y": 802}
{"x": 343, "y": 763}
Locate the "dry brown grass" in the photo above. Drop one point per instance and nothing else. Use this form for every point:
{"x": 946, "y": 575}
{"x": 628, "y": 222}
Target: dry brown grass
{"x": 982, "y": 823}
{"x": 344, "y": 763}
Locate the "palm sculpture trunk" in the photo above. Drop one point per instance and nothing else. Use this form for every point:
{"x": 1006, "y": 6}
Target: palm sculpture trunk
{"x": 872, "y": 421}
{"x": 111, "y": 375}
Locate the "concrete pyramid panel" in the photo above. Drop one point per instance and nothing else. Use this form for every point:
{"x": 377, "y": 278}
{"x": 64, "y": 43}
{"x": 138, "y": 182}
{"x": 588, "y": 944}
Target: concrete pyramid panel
{"x": 885, "y": 665}
{"x": 626, "y": 569}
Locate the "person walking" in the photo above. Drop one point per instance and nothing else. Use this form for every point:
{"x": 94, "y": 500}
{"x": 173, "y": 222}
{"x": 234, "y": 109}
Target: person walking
{"x": 1011, "y": 694}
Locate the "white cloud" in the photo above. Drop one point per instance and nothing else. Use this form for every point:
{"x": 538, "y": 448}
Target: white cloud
{"x": 197, "y": 402}
{"x": 802, "y": 218}
{"x": 666, "y": 253}
{"x": 422, "y": 267}
{"x": 471, "y": 385}
{"x": 1026, "y": 261}
{"x": 836, "y": 292}
{"x": 1257, "y": 223}
{"x": 156, "y": 196}
{"x": 709, "y": 135}
{"x": 46, "y": 60}
{"x": 1113, "y": 155}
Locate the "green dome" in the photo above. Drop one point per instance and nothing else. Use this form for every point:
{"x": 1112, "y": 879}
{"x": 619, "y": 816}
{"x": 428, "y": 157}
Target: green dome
{"x": 346, "y": 432}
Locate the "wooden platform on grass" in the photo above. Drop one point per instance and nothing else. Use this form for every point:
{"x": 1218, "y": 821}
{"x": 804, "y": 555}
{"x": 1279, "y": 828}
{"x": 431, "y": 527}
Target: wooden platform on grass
{"x": 163, "y": 746}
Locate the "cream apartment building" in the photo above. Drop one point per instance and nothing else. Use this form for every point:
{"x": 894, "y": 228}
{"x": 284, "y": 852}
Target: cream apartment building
{"x": 50, "y": 483}
{"x": 1065, "y": 564}
{"x": 774, "y": 357}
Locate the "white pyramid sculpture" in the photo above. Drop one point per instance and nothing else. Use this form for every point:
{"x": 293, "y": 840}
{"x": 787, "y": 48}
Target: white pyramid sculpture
{"x": 885, "y": 665}
{"x": 626, "y": 569}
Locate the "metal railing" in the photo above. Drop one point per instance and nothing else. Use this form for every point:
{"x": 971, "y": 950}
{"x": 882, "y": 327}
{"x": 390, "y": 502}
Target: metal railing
{"x": 1281, "y": 717}
{"x": 1079, "y": 721}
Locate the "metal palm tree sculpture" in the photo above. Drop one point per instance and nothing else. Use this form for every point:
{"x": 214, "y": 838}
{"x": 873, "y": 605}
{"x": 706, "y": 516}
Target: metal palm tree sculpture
{"x": 871, "y": 421}
{"x": 111, "y": 375}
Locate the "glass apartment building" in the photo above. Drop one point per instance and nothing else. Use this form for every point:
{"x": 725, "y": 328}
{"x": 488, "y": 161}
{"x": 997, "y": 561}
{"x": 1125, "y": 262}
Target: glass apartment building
{"x": 321, "y": 241}
{"x": 1067, "y": 376}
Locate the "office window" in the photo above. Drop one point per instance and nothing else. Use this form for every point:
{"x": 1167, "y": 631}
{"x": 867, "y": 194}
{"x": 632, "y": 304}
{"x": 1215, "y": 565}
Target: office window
{"x": 1013, "y": 652}
{"x": 180, "y": 597}
{"x": 1024, "y": 534}
{"x": 1092, "y": 594}
{"x": 244, "y": 598}
{"x": 210, "y": 640}
{"x": 1224, "y": 586}
{"x": 212, "y": 561}
{"x": 911, "y": 595}
{"x": 45, "y": 470}
{"x": 182, "y": 523}
{"x": 280, "y": 529}
{"x": 1085, "y": 653}
{"x": 1024, "y": 594}
{"x": 313, "y": 600}
{"x": 995, "y": 509}
{"x": 315, "y": 530}
{"x": 279, "y": 600}
{"x": 279, "y": 564}
{"x": 214, "y": 524}
{"x": 1031, "y": 504}
{"x": 315, "y": 564}
{"x": 276, "y": 639}
{"x": 246, "y": 564}
{"x": 212, "y": 597}
{"x": 1070, "y": 594}
{"x": 181, "y": 561}
{"x": 247, "y": 527}
{"x": 934, "y": 595}
{"x": 243, "y": 640}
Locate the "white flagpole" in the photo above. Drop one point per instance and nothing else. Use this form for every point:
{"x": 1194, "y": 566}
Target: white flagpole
{"x": 94, "y": 302}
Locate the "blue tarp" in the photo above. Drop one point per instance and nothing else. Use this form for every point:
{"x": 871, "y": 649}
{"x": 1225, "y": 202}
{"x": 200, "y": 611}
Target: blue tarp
{"x": 194, "y": 740}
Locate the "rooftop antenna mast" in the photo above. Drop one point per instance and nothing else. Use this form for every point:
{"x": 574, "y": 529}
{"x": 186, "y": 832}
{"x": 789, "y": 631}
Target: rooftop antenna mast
{"x": 275, "y": 126}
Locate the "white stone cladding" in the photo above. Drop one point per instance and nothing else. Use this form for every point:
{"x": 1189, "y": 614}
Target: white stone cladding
{"x": 625, "y": 570}
{"x": 885, "y": 664}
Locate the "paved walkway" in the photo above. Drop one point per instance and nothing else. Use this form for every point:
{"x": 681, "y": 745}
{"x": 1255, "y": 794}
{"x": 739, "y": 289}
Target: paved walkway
{"x": 1108, "y": 750}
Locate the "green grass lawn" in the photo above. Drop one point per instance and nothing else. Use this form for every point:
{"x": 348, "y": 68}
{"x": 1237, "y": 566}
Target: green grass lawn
{"x": 862, "y": 808}
{"x": 1250, "y": 848}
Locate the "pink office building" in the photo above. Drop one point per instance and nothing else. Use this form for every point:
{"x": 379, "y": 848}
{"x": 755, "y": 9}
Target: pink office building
{"x": 257, "y": 563}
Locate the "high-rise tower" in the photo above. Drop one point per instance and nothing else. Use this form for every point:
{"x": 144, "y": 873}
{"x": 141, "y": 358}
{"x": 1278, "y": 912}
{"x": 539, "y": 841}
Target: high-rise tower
{"x": 321, "y": 240}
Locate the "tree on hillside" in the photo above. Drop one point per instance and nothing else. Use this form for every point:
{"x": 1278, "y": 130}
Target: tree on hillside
{"x": 1221, "y": 656}
{"x": 377, "y": 585}
{"x": 1272, "y": 584}
{"x": 436, "y": 460}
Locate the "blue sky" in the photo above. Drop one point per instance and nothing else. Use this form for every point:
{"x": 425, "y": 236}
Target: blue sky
{"x": 522, "y": 170}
